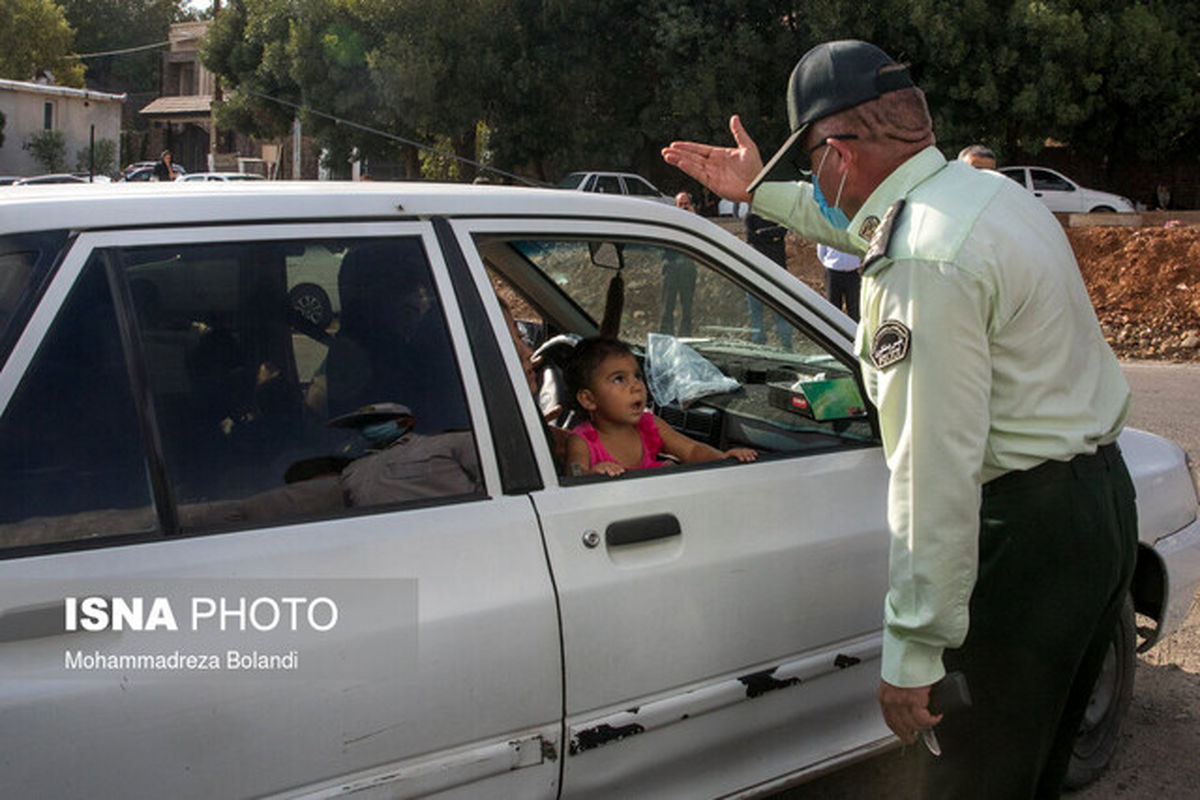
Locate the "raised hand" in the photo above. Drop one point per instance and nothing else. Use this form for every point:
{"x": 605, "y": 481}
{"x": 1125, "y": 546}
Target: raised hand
{"x": 725, "y": 170}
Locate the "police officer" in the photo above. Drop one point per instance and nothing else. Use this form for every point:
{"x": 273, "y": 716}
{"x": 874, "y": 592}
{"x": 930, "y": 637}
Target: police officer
{"x": 1013, "y": 530}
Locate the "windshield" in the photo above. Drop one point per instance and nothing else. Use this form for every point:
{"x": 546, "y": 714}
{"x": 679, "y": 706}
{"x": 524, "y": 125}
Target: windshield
{"x": 572, "y": 181}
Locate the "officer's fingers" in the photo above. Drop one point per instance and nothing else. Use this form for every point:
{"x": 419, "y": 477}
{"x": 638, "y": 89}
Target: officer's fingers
{"x": 697, "y": 167}
{"x": 742, "y": 137}
{"x": 899, "y": 724}
{"x": 699, "y": 148}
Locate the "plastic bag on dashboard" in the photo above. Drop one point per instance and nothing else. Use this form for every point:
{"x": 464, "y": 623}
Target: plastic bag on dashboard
{"x": 677, "y": 373}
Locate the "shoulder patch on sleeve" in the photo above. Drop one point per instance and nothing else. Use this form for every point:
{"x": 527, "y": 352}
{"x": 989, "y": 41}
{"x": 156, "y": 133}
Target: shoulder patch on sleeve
{"x": 889, "y": 345}
{"x": 881, "y": 235}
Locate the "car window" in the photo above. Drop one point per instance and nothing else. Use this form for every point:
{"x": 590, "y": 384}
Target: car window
{"x": 71, "y": 455}
{"x": 25, "y": 259}
{"x": 608, "y": 184}
{"x": 1017, "y": 175}
{"x": 293, "y": 379}
{"x": 1044, "y": 181}
{"x": 637, "y": 186}
{"x": 793, "y": 393}
{"x": 572, "y": 181}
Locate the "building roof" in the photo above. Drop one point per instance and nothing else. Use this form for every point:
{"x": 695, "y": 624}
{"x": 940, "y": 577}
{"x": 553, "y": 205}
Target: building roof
{"x": 60, "y": 91}
{"x": 179, "y": 105}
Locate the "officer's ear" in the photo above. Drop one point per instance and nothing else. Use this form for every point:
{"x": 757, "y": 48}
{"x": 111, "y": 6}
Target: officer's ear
{"x": 845, "y": 150}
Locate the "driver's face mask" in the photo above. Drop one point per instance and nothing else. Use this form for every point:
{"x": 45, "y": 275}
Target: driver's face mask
{"x": 381, "y": 434}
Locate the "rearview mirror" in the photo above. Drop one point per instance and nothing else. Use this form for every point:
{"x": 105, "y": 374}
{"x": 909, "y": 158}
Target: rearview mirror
{"x": 608, "y": 255}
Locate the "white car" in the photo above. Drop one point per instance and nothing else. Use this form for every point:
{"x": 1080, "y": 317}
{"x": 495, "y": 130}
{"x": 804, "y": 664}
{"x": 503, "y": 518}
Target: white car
{"x": 1063, "y": 195}
{"x": 225, "y": 577}
{"x": 200, "y": 177}
{"x": 625, "y": 183}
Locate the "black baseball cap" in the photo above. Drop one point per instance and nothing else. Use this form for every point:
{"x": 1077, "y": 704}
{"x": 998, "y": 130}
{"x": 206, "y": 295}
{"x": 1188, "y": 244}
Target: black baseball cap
{"x": 830, "y": 78}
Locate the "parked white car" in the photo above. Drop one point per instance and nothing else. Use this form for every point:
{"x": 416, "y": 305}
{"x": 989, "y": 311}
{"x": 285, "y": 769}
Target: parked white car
{"x": 615, "y": 183}
{"x": 200, "y": 177}
{"x": 215, "y": 585}
{"x": 1064, "y": 195}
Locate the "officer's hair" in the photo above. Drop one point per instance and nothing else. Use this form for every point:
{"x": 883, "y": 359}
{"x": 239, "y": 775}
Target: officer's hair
{"x": 902, "y": 116}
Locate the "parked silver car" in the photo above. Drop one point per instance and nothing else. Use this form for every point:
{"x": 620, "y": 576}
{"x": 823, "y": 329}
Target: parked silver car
{"x": 250, "y": 552}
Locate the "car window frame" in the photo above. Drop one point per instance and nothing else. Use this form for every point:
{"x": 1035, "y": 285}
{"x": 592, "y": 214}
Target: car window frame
{"x": 89, "y": 243}
{"x": 747, "y": 268}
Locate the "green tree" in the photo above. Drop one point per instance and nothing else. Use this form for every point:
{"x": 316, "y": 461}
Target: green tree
{"x": 277, "y": 56}
{"x": 49, "y": 148}
{"x": 107, "y": 25}
{"x": 105, "y": 158}
{"x": 571, "y": 84}
{"x": 35, "y": 35}
{"x": 1114, "y": 80}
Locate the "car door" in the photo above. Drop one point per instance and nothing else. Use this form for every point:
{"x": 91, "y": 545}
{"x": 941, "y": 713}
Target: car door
{"x": 720, "y": 622}
{"x": 1058, "y": 193}
{"x": 223, "y": 576}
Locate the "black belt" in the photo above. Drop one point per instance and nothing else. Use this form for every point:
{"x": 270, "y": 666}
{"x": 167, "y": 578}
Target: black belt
{"x": 1105, "y": 457}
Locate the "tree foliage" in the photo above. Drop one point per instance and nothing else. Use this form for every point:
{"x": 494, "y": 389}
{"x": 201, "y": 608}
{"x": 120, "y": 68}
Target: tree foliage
{"x": 106, "y": 25}
{"x": 573, "y": 84}
{"x": 49, "y": 148}
{"x": 103, "y": 160}
{"x": 35, "y": 35}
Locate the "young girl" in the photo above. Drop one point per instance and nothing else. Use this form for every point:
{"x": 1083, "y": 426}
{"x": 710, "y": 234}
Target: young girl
{"x": 604, "y": 377}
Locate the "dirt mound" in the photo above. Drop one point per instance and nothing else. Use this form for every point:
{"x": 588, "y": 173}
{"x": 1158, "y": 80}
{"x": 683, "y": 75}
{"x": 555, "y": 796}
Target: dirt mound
{"x": 1144, "y": 283}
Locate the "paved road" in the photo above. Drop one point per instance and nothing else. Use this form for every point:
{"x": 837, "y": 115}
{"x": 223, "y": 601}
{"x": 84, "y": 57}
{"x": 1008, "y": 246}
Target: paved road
{"x": 1166, "y": 402}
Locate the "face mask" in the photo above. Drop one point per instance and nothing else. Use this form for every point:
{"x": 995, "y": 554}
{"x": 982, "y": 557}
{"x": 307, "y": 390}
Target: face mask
{"x": 382, "y": 433}
{"x": 837, "y": 218}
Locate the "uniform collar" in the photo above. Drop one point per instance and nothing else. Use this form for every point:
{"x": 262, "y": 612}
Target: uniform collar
{"x": 895, "y": 186}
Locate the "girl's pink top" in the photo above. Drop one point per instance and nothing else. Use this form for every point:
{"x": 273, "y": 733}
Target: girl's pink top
{"x": 648, "y": 431}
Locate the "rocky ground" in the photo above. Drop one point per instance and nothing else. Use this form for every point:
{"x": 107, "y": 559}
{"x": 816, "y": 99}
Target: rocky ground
{"x": 1144, "y": 282}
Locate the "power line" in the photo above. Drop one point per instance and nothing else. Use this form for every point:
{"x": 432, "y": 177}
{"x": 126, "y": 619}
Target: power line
{"x": 350, "y": 123}
{"x": 122, "y": 52}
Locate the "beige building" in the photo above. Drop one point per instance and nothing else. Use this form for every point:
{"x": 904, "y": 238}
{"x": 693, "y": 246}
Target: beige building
{"x": 182, "y": 116}
{"x": 33, "y": 107}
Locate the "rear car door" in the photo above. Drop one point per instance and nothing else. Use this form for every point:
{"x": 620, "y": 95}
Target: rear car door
{"x": 223, "y": 577}
{"x": 720, "y": 622}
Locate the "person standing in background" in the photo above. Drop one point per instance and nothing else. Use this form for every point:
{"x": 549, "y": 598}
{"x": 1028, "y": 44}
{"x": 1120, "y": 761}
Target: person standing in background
{"x": 978, "y": 156}
{"x": 163, "y": 170}
{"x": 678, "y": 283}
{"x": 770, "y": 239}
{"x": 842, "y": 279}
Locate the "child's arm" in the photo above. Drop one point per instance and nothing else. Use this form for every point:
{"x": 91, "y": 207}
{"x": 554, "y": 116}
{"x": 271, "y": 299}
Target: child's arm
{"x": 579, "y": 461}
{"x": 689, "y": 451}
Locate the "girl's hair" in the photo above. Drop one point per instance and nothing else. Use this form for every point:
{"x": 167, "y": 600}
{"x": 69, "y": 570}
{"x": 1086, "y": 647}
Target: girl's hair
{"x": 587, "y": 356}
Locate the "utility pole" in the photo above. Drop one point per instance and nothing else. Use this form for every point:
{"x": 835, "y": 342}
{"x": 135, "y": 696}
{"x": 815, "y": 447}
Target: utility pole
{"x": 213, "y": 138}
{"x": 297, "y": 139}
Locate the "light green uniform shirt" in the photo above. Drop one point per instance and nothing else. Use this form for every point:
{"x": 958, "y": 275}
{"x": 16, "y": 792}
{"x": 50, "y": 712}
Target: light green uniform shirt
{"x": 1005, "y": 367}
{"x": 792, "y": 205}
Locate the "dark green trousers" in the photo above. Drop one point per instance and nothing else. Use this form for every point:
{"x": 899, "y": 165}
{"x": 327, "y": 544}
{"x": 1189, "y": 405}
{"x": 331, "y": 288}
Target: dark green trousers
{"x": 1057, "y": 545}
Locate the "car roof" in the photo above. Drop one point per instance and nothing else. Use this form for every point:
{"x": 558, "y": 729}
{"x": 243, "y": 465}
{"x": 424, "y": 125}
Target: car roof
{"x": 122, "y": 205}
